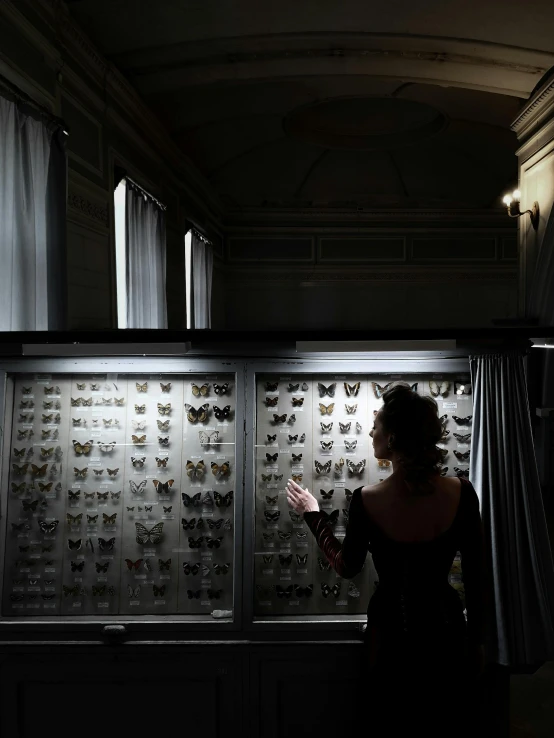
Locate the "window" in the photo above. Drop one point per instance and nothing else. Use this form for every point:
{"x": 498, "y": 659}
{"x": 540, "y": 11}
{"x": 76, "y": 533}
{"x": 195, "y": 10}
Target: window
{"x": 188, "y": 277}
{"x": 120, "y": 264}
{"x": 140, "y": 257}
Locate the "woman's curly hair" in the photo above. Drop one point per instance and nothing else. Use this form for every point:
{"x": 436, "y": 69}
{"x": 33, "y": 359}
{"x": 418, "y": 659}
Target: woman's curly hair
{"x": 413, "y": 421}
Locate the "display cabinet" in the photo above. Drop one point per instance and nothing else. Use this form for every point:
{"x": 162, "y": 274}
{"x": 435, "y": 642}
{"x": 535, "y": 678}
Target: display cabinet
{"x": 151, "y": 491}
{"x": 121, "y": 491}
{"x": 311, "y": 423}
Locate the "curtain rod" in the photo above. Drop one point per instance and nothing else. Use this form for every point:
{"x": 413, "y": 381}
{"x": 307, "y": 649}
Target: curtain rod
{"x": 145, "y": 192}
{"x": 24, "y": 97}
{"x": 200, "y": 236}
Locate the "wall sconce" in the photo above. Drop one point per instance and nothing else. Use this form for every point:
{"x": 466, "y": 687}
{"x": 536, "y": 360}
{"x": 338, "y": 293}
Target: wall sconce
{"x": 512, "y": 204}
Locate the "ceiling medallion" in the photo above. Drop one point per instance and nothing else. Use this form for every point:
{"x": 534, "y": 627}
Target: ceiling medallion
{"x": 364, "y": 123}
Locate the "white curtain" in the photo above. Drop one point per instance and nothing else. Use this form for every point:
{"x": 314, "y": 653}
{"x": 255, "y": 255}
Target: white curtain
{"x": 33, "y": 177}
{"x": 503, "y": 470}
{"x": 202, "y": 260}
{"x": 145, "y": 250}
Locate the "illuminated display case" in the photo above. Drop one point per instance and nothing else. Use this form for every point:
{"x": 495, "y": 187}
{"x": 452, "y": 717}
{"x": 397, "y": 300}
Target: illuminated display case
{"x": 121, "y": 490}
{"x": 150, "y": 489}
{"x": 312, "y": 424}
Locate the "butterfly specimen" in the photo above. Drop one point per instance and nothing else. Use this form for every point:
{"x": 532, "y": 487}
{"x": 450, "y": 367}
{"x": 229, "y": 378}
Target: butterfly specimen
{"x": 462, "y": 456}
{"x": 140, "y": 409}
{"x": 326, "y": 495}
{"x": 130, "y": 509}
{"x": 296, "y": 439}
{"x": 52, "y": 390}
{"x": 165, "y": 387}
{"x": 105, "y": 401}
{"x": 119, "y": 401}
{"x": 462, "y": 421}
{"x": 462, "y": 437}
{"x": 268, "y": 558}
{"x": 74, "y": 495}
{"x": 350, "y": 445}
{"x": 138, "y": 440}
{"x": 384, "y": 463}
{"x": 78, "y": 421}
{"x": 279, "y": 418}
{"x": 283, "y": 593}
{"x": 293, "y": 387}
{"x": 352, "y": 389}
{"x": 74, "y": 591}
{"x": 102, "y": 495}
{"x": 112, "y": 472}
{"x": 207, "y": 439}
{"x": 304, "y": 591}
{"x": 161, "y": 461}
{"x": 271, "y": 387}
{"x": 194, "y": 500}
{"x": 272, "y": 516}
{"x": 214, "y": 542}
{"x": 164, "y": 565}
{"x": 17, "y": 469}
{"x": 295, "y": 517}
{"x": 443, "y": 452}
{"x": 271, "y": 401}
{"x": 139, "y": 424}
{"x": 326, "y": 427}
{"x": 74, "y": 519}
{"x": 164, "y": 409}
{"x": 301, "y": 560}
{"x": 102, "y": 568}
{"x": 74, "y": 545}
{"x": 192, "y": 523}
{"x": 195, "y": 471}
{"x": 378, "y": 390}
{"x": 322, "y": 468}
{"x": 98, "y": 591}
{"x": 189, "y": 568}
{"x": 268, "y": 536}
{"x": 346, "y": 513}
{"x": 138, "y": 461}
{"x": 194, "y": 595}
{"x": 266, "y": 477}
{"x": 200, "y": 391}
{"x": 326, "y": 590}
{"x": 26, "y": 390}
{"x": 297, "y": 477}
{"x": 271, "y": 457}
{"x": 296, "y": 458}
{"x": 46, "y": 452}
{"x": 163, "y": 488}
{"x": 21, "y": 434}
{"x": 194, "y": 415}
{"x": 221, "y": 470}
{"x": 329, "y": 391}
{"x": 221, "y": 568}
{"x": 326, "y": 445}
{"x": 348, "y": 494}
{"x": 108, "y": 545}
{"x": 221, "y": 389}
{"x": 270, "y": 439}
{"x": 264, "y": 591}
{"x": 163, "y": 441}
{"x": 158, "y": 591}
{"x": 17, "y": 488}
{"x": 207, "y": 500}
{"x": 196, "y": 543}
{"x": 154, "y": 535}
{"x": 106, "y": 448}
{"x": 222, "y": 413}
{"x": 133, "y": 592}
{"x": 109, "y": 519}
{"x": 461, "y": 472}
{"x": 326, "y": 409}
{"x": 142, "y": 387}
{"x": 439, "y": 389}
{"x": 351, "y": 409}
{"x": 353, "y": 591}
{"x": 77, "y": 566}
{"x": 133, "y": 564}
{"x": 148, "y": 508}
{"x": 297, "y": 401}
{"x": 443, "y": 471}
{"x": 355, "y": 468}
{"x": 216, "y": 524}
{"x": 462, "y": 388}
{"x": 82, "y": 448}
{"x": 29, "y": 506}
{"x": 284, "y": 536}
{"x": 223, "y": 500}
{"x": 92, "y": 519}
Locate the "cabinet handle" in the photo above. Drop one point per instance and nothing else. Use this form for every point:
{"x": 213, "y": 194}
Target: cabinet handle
{"x": 114, "y": 630}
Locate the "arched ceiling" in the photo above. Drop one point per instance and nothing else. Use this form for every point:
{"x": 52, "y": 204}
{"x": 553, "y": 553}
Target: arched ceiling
{"x": 318, "y": 103}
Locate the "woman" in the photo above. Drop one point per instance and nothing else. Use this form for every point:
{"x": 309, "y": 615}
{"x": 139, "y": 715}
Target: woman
{"x": 423, "y": 658}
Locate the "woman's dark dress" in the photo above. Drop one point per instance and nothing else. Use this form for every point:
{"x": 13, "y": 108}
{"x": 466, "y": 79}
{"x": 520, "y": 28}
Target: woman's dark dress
{"x": 417, "y": 633}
